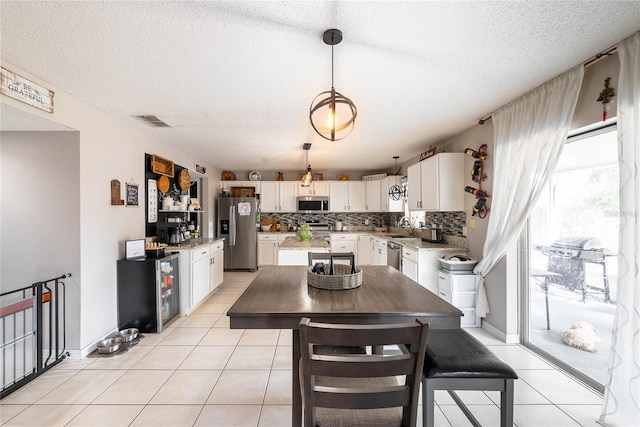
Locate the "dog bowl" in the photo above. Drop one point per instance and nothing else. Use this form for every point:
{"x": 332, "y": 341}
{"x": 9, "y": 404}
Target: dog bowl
{"x": 110, "y": 345}
{"x": 128, "y": 335}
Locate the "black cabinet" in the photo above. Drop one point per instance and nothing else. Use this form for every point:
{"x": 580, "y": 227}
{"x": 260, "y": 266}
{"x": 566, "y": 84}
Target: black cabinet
{"x": 148, "y": 293}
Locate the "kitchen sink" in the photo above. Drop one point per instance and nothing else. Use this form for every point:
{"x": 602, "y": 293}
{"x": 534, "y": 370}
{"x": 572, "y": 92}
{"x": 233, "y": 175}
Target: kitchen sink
{"x": 396, "y": 236}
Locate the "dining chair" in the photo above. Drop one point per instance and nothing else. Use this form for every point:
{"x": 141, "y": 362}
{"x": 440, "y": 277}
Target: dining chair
{"x": 361, "y": 389}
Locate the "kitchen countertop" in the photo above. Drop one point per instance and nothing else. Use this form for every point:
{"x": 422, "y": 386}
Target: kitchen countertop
{"x": 417, "y": 243}
{"x": 192, "y": 244}
{"x": 294, "y": 243}
{"x": 452, "y": 243}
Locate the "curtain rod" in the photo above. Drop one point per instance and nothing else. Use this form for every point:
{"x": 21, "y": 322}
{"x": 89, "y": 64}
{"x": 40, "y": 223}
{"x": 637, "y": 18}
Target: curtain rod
{"x": 587, "y": 63}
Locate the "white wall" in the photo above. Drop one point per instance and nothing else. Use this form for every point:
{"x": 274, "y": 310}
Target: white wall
{"x": 40, "y": 227}
{"x": 588, "y": 110}
{"x": 40, "y": 199}
{"x": 109, "y": 149}
{"x": 501, "y": 293}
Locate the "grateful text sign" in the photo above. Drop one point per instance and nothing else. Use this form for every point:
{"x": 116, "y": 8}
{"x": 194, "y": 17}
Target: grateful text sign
{"x": 17, "y": 87}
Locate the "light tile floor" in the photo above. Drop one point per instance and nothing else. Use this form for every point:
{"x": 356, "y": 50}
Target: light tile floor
{"x": 198, "y": 372}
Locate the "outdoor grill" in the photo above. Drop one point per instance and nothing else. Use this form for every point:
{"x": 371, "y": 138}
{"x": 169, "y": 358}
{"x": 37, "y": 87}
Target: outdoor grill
{"x": 567, "y": 257}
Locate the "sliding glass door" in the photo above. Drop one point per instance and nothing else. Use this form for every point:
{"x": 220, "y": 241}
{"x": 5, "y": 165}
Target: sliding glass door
{"x": 572, "y": 239}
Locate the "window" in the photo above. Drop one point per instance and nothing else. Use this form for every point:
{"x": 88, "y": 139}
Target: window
{"x": 572, "y": 243}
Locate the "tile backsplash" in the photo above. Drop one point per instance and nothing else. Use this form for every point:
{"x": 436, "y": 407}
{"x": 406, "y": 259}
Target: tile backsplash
{"x": 452, "y": 222}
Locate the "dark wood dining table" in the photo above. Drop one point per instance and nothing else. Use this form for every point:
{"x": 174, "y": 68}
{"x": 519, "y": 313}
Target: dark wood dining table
{"x": 279, "y": 297}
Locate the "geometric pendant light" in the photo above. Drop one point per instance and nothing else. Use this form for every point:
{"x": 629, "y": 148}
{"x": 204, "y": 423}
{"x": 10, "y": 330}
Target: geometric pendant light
{"x": 332, "y": 114}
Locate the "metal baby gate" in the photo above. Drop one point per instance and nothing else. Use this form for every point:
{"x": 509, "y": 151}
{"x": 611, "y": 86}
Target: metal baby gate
{"x": 32, "y": 332}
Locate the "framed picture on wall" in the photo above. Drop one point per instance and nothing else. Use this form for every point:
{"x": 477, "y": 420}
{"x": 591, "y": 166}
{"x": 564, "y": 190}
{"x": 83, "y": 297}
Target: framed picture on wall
{"x": 132, "y": 194}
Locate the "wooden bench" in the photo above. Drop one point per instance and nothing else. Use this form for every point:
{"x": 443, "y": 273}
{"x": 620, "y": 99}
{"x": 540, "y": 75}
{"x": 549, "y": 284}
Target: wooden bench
{"x": 455, "y": 360}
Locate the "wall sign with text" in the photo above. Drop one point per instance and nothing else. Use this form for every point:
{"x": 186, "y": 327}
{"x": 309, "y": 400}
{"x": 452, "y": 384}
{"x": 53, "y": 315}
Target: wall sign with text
{"x": 17, "y": 87}
{"x": 132, "y": 194}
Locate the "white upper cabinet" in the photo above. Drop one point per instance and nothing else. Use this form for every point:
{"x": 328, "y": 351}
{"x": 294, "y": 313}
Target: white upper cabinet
{"x": 414, "y": 187}
{"x": 387, "y": 204}
{"x": 269, "y": 196}
{"x": 278, "y": 196}
{"x": 372, "y": 191}
{"x": 437, "y": 183}
{"x": 338, "y": 196}
{"x": 347, "y": 196}
{"x": 288, "y": 196}
{"x": 357, "y": 196}
{"x": 317, "y": 188}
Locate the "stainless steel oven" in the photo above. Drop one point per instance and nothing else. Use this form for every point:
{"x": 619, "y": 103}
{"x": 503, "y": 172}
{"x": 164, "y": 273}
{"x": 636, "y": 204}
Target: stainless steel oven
{"x": 394, "y": 255}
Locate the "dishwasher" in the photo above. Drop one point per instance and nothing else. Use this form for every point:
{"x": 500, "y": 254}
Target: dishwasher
{"x": 394, "y": 255}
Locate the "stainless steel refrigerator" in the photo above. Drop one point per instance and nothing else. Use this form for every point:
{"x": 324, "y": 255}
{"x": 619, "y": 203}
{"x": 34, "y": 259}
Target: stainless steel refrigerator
{"x": 237, "y": 225}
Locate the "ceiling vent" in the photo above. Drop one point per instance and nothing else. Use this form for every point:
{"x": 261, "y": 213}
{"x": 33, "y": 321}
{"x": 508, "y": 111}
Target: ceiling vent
{"x": 152, "y": 120}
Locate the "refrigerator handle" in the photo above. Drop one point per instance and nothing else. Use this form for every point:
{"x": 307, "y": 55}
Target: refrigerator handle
{"x": 232, "y": 225}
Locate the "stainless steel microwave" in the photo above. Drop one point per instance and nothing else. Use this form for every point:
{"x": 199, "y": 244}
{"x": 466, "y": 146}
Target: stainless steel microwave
{"x": 310, "y": 204}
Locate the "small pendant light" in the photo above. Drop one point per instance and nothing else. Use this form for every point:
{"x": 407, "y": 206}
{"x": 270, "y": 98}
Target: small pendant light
{"x": 332, "y": 114}
{"x": 307, "y": 178}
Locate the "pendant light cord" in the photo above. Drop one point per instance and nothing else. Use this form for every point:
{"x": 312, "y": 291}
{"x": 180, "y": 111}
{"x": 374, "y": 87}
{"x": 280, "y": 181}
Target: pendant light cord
{"x": 332, "y": 44}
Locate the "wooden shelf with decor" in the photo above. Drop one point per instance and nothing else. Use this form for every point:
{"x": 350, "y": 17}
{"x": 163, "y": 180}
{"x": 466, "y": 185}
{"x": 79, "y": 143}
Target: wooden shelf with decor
{"x": 162, "y": 166}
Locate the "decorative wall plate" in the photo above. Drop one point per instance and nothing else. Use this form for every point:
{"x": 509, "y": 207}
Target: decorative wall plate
{"x": 163, "y": 184}
{"x": 228, "y": 176}
{"x": 254, "y": 176}
{"x": 184, "y": 180}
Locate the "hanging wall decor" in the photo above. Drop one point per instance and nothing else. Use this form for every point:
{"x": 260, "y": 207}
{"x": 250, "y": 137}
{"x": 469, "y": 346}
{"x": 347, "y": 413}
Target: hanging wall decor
{"x": 429, "y": 153}
{"x": 132, "y": 193}
{"x": 115, "y": 193}
{"x": 477, "y": 175}
{"x": 605, "y": 97}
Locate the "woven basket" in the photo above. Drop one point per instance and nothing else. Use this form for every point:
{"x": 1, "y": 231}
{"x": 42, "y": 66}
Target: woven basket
{"x": 342, "y": 280}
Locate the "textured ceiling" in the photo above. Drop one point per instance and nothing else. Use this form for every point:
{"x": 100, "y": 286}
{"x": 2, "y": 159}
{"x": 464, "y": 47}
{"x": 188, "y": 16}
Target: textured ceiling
{"x": 235, "y": 79}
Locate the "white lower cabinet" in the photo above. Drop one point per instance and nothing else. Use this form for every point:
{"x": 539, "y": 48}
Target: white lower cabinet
{"x": 379, "y": 251}
{"x": 422, "y": 266}
{"x": 216, "y": 265}
{"x": 410, "y": 263}
{"x": 341, "y": 242}
{"x": 267, "y": 249}
{"x": 200, "y": 274}
{"x": 363, "y": 257}
{"x": 268, "y": 243}
{"x": 296, "y": 256}
{"x": 460, "y": 290}
{"x": 201, "y": 271}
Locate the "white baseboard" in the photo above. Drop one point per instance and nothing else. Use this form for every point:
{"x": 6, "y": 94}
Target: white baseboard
{"x": 84, "y": 352}
{"x": 507, "y": 338}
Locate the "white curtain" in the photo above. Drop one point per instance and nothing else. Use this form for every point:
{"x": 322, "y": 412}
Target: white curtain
{"x": 621, "y": 406}
{"x": 529, "y": 135}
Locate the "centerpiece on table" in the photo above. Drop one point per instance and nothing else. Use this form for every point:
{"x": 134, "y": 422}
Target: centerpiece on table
{"x": 305, "y": 232}
{"x": 340, "y": 276}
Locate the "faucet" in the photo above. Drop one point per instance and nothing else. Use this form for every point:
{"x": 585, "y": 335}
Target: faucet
{"x": 401, "y": 223}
